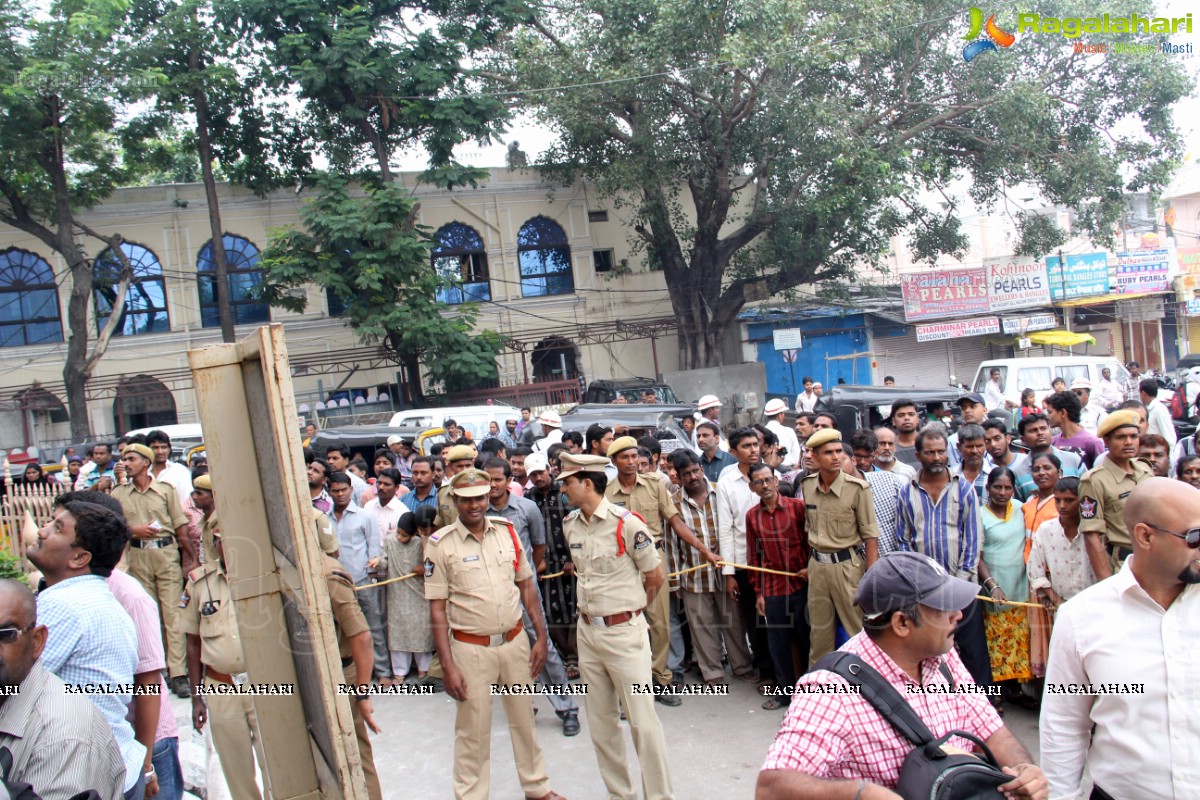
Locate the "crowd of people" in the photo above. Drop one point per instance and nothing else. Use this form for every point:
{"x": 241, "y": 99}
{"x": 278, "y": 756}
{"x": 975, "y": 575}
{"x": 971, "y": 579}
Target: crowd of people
{"x": 935, "y": 557}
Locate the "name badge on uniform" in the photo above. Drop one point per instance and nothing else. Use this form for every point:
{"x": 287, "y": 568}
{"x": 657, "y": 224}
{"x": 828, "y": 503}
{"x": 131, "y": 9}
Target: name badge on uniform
{"x": 469, "y": 559}
{"x": 184, "y": 599}
{"x": 1126, "y": 494}
{"x": 641, "y": 541}
{"x": 428, "y": 568}
{"x": 577, "y": 546}
{"x": 813, "y": 506}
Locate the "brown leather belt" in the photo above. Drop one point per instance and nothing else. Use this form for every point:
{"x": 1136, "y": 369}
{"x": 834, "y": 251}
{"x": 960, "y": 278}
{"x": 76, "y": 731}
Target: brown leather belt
{"x": 487, "y": 641}
{"x": 152, "y": 544}
{"x": 610, "y": 620}
{"x": 219, "y": 677}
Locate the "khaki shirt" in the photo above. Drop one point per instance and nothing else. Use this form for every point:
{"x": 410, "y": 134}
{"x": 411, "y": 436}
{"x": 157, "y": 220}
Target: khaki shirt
{"x": 477, "y": 576}
{"x": 447, "y": 512}
{"x": 220, "y": 645}
{"x": 159, "y": 502}
{"x": 326, "y": 538}
{"x": 347, "y": 615}
{"x": 210, "y": 527}
{"x": 649, "y": 498}
{"x": 840, "y": 518}
{"x": 1102, "y": 493}
{"x": 608, "y": 582}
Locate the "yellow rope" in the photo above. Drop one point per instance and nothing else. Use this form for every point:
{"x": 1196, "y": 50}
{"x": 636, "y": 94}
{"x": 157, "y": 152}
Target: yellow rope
{"x": 384, "y": 583}
{"x": 553, "y": 575}
{"x": 1008, "y": 602}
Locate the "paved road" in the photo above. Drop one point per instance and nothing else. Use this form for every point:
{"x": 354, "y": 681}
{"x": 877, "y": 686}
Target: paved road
{"x": 716, "y": 747}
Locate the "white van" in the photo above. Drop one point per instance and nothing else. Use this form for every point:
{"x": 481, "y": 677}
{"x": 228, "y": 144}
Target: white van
{"x": 1036, "y": 372}
{"x": 475, "y": 419}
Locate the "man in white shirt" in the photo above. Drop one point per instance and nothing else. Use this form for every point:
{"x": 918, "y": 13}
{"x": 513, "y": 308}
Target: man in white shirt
{"x": 386, "y": 507}
{"x": 993, "y": 393}
{"x": 1092, "y": 413}
{"x": 1120, "y": 696}
{"x": 168, "y": 471}
{"x": 1108, "y": 392}
{"x": 807, "y": 400}
{"x": 552, "y": 434}
{"x": 1159, "y": 416}
{"x": 774, "y": 412}
{"x": 885, "y": 456}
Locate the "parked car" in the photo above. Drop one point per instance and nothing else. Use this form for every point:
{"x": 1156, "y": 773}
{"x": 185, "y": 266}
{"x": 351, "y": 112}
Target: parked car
{"x": 607, "y": 391}
{"x": 1037, "y": 372}
{"x": 639, "y": 418}
{"x": 856, "y": 407}
{"x": 474, "y": 419}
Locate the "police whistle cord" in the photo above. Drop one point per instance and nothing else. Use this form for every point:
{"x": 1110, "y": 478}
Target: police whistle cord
{"x": 384, "y": 583}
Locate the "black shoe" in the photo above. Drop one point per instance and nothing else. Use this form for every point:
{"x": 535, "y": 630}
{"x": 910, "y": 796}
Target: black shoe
{"x": 180, "y": 686}
{"x": 663, "y": 694}
{"x": 571, "y": 723}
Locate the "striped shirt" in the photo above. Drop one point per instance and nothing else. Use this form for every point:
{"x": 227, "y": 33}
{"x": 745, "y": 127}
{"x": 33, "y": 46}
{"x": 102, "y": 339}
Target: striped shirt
{"x": 60, "y": 743}
{"x": 93, "y": 642}
{"x": 776, "y": 540}
{"x": 702, "y": 519}
{"x": 946, "y": 530}
{"x": 415, "y": 504}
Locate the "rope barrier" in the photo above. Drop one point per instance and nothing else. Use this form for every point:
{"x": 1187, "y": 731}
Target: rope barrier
{"x": 1009, "y": 602}
{"x": 385, "y": 583}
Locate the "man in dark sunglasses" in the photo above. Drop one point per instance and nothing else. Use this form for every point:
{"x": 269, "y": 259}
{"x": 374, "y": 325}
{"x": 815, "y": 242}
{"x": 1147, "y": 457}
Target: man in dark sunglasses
{"x": 59, "y": 742}
{"x": 1120, "y": 697}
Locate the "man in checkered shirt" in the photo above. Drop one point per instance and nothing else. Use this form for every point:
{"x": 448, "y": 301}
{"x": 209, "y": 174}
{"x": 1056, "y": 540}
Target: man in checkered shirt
{"x": 836, "y": 745}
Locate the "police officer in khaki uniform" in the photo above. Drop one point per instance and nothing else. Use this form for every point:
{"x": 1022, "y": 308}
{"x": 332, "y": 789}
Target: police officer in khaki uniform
{"x": 159, "y": 529}
{"x": 839, "y": 516}
{"x": 476, "y": 579}
{"x": 618, "y": 571}
{"x": 210, "y": 528}
{"x": 646, "y": 496}
{"x": 458, "y": 458}
{"x": 1104, "y": 489}
{"x": 357, "y": 650}
{"x": 214, "y": 659}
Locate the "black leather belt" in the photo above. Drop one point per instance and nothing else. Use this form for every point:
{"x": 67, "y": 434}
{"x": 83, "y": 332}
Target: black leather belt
{"x": 152, "y": 544}
{"x": 347, "y": 661}
{"x": 835, "y": 557}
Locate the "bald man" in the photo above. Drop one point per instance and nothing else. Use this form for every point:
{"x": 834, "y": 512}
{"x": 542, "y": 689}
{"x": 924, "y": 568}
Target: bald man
{"x": 1121, "y": 660}
{"x": 60, "y": 743}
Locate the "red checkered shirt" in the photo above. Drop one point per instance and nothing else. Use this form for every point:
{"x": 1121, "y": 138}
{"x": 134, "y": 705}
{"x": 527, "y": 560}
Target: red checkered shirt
{"x": 777, "y": 540}
{"x": 843, "y": 737}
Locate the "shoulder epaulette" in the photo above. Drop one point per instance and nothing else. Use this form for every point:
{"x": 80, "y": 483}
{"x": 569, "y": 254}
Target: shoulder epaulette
{"x": 858, "y": 481}
{"x": 572, "y": 515}
{"x": 337, "y": 574}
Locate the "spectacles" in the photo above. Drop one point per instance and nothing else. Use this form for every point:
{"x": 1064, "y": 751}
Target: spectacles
{"x": 1191, "y": 537}
{"x": 10, "y": 635}
{"x": 762, "y": 481}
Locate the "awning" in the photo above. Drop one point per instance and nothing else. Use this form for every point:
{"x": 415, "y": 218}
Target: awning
{"x": 1057, "y": 338}
{"x": 1101, "y": 298}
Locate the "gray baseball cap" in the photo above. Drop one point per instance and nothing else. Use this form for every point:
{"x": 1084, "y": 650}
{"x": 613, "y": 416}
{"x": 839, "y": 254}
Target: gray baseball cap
{"x": 901, "y": 579}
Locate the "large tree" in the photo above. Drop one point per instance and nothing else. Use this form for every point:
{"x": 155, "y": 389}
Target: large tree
{"x": 375, "y": 78}
{"x": 58, "y": 109}
{"x": 764, "y": 145}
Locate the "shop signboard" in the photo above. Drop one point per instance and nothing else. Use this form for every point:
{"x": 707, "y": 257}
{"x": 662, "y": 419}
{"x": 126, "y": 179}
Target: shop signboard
{"x": 1086, "y": 274}
{"x": 944, "y": 293}
{"x": 1016, "y": 282}
{"x": 956, "y": 329}
{"x": 1143, "y": 271}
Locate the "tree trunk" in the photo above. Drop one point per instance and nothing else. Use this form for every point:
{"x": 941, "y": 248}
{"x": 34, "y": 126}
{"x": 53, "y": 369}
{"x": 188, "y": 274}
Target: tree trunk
{"x": 204, "y": 148}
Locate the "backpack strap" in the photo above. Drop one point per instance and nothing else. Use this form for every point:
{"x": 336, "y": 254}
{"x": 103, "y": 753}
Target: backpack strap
{"x": 879, "y": 693}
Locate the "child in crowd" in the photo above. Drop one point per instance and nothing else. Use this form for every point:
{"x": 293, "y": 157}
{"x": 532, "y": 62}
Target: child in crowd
{"x": 410, "y": 636}
{"x": 1059, "y": 567}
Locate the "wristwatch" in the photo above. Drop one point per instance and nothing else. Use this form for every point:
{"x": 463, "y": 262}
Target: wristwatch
{"x": 149, "y": 775}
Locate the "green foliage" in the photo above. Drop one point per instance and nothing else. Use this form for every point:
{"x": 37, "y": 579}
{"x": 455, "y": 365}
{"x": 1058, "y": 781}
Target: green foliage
{"x": 11, "y": 567}
{"x": 789, "y": 140}
{"x": 363, "y": 246}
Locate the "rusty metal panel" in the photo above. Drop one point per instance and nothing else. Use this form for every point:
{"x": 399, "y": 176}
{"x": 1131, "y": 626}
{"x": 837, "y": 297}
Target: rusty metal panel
{"x": 276, "y": 570}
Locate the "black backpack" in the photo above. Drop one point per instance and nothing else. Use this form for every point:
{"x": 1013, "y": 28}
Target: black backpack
{"x": 928, "y": 773}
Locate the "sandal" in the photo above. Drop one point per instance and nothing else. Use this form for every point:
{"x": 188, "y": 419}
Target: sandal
{"x": 772, "y": 704}
{"x": 572, "y": 672}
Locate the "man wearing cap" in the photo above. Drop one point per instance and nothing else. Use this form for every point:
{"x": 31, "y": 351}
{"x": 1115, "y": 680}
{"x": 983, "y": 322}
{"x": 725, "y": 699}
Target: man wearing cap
{"x": 1103, "y": 491}
{"x": 202, "y": 499}
{"x": 709, "y": 407}
{"x": 839, "y": 516}
{"x": 159, "y": 530}
{"x": 477, "y": 579}
{"x": 646, "y": 496}
{"x": 1135, "y": 631}
{"x": 551, "y": 424}
{"x": 1091, "y": 414}
{"x": 775, "y": 411}
{"x": 458, "y": 458}
{"x": 974, "y": 412}
{"x": 215, "y": 659}
{"x": 834, "y": 744}
{"x": 619, "y": 572}
{"x": 558, "y": 594}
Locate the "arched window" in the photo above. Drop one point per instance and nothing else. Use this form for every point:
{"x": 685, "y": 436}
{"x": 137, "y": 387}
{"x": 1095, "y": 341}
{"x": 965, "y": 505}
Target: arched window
{"x": 145, "y": 309}
{"x": 241, "y": 257}
{"x": 460, "y": 261}
{"x": 143, "y": 402}
{"x": 29, "y": 312}
{"x": 545, "y": 259}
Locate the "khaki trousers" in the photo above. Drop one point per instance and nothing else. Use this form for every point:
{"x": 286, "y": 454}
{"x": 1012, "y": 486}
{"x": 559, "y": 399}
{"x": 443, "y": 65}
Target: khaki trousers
{"x": 714, "y": 617}
{"x": 159, "y": 573}
{"x": 481, "y": 667}
{"x": 611, "y": 661}
{"x": 235, "y": 736}
{"x": 658, "y": 616}
{"x": 366, "y": 753}
{"x": 831, "y": 590}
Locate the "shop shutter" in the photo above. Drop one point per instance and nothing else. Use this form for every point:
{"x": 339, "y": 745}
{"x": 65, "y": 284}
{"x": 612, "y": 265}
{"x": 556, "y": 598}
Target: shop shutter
{"x": 924, "y": 365}
{"x": 969, "y": 352}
